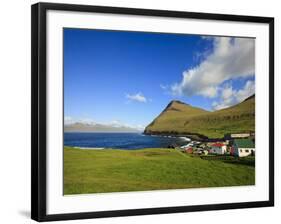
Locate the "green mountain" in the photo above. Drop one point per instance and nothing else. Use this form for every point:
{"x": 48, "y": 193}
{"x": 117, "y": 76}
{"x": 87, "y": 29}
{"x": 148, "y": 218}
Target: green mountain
{"x": 179, "y": 118}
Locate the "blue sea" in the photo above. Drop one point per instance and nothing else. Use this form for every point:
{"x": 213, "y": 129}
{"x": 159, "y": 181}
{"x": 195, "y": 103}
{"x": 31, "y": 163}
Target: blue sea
{"x": 120, "y": 140}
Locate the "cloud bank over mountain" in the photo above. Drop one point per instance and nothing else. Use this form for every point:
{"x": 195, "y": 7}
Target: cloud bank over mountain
{"x": 231, "y": 58}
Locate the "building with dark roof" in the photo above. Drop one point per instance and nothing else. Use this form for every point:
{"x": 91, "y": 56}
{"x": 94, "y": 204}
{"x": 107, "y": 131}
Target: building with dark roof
{"x": 243, "y": 147}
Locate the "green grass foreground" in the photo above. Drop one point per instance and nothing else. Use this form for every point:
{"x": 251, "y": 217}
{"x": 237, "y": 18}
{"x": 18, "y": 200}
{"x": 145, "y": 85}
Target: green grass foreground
{"x": 100, "y": 171}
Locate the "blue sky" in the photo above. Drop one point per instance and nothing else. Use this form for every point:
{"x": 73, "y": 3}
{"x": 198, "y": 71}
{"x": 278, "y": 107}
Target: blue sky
{"x": 119, "y": 77}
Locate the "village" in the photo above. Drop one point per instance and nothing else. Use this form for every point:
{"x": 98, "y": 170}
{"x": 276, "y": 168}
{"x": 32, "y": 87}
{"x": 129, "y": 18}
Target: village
{"x": 236, "y": 144}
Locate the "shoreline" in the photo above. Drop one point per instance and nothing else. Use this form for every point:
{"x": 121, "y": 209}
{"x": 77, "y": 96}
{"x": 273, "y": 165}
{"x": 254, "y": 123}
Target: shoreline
{"x": 191, "y": 136}
{"x": 187, "y": 138}
{"x": 105, "y": 148}
{"x": 179, "y": 140}
{"x": 87, "y": 148}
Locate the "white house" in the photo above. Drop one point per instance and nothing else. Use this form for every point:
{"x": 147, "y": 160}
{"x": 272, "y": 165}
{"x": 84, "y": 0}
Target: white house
{"x": 243, "y": 147}
{"x": 240, "y": 135}
{"x": 218, "y": 148}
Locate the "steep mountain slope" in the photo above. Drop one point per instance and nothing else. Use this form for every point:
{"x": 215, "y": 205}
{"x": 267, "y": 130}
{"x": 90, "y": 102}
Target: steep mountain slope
{"x": 180, "y": 118}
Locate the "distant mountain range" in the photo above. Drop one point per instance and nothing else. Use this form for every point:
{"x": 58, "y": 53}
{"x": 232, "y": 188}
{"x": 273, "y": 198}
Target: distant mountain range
{"x": 179, "y": 118}
{"x": 93, "y": 127}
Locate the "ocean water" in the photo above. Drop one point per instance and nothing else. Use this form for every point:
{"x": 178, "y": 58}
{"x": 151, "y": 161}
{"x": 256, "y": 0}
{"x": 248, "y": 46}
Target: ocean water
{"x": 120, "y": 140}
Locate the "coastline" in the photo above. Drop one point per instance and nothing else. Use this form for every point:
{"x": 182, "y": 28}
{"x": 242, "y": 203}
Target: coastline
{"x": 191, "y": 136}
{"x": 130, "y": 141}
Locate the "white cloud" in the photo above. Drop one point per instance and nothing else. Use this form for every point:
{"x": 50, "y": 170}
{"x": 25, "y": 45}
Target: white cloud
{"x": 231, "y": 58}
{"x": 206, "y": 37}
{"x": 68, "y": 120}
{"x": 139, "y": 127}
{"x": 86, "y": 121}
{"x": 164, "y": 87}
{"x": 139, "y": 97}
{"x": 115, "y": 123}
{"x": 230, "y": 97}
{"x": 248, "y": 90}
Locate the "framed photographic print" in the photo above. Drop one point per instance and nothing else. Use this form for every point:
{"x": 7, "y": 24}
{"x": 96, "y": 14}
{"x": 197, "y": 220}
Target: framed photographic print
{"x": 138, "y": 111}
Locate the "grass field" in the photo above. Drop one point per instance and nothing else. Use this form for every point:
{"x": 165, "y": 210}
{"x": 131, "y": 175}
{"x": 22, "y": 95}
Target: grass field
{"x": 97, "y": 171}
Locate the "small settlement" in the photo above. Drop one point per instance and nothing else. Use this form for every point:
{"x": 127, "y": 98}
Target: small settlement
{"x": 236, "y": 144}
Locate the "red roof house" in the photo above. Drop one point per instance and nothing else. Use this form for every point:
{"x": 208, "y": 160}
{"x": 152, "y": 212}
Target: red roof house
{"x": 218, "y": 148}
{"x": 189, "y": 150}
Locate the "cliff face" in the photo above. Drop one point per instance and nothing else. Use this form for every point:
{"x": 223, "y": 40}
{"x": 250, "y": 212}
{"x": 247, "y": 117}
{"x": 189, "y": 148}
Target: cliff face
{"x": 181, "y": 118}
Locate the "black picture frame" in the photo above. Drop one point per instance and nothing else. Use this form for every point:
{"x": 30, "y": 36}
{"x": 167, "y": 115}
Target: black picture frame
{"x": 38, "y": 108}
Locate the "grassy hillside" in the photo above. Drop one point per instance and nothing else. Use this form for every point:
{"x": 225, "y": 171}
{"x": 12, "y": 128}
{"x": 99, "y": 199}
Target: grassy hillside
{"x": 96, "y": 171}
{"x": 184, "y": 119}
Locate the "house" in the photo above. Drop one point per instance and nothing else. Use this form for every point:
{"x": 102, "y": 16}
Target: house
{"x": 200, "y": 151}
{"x": 243, "y": 147}
{"x": 197, "y": 152}
{"x": 240, "y": 135}
{"x": 205, "y": 152}
{"x": 188, "y": 150}
{"x": 237, "y": 135}
{"x": 218, "y": 148}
